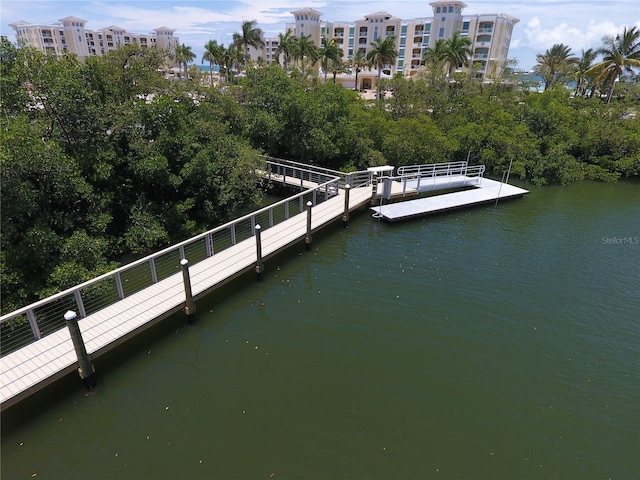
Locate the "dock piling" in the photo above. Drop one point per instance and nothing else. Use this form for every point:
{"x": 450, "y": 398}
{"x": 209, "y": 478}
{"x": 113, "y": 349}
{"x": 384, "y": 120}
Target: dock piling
{"x": 307, "y": 239}
{"x": 85, "y": 368}
{"x": 345, "y": 215}
{"x": 189, "y": 306}
{"x": 259, "y": 263}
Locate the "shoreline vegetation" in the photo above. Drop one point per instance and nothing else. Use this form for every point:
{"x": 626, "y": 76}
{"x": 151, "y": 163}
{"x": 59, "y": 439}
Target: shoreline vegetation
{"x": 107, "y": 158}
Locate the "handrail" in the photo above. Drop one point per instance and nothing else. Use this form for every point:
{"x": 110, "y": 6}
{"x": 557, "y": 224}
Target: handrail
{"x": 419, "y": 176}
{"x": 434, "y": 169}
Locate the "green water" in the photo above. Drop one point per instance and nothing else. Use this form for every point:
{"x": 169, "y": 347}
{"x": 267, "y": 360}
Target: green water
{"x": 493, "y": 343}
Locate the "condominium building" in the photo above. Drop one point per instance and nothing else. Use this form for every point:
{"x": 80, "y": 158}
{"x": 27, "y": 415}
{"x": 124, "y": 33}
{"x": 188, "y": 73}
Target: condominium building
{"x": 71, "y": 35}
{"x": 490, "y": 36}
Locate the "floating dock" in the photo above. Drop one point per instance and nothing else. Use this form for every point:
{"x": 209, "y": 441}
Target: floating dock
{"x": 483, "y": 190}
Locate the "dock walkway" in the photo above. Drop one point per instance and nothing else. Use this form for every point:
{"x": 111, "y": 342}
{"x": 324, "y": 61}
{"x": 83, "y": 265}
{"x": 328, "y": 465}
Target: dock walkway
{"x": 36, "y": 345}
{"x": 32, "y": 367}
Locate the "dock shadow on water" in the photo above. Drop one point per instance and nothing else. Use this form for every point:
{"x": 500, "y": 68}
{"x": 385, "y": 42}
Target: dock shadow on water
{"x": 490, "y": 343}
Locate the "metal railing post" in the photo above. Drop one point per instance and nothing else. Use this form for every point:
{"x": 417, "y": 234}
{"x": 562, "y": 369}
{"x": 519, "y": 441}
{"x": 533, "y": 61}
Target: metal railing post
{"x": 119, "y": 286}
{"x": 78, "y": 296}
{"x": 33, "y": 323}
{"x": 85, "y": 369}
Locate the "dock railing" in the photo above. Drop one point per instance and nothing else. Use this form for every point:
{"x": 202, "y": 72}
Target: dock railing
{"x": 417, "y": 178}
{"x": 30, "y": 323}
{"x": 284, "y": 170}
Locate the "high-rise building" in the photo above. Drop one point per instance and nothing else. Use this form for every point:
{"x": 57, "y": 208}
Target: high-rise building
{"x": 490, "y": 36}
{"x": 71, "y": 35}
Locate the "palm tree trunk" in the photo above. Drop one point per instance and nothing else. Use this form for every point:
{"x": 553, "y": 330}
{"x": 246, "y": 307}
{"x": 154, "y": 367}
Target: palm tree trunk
{"x": 610, "y": 91}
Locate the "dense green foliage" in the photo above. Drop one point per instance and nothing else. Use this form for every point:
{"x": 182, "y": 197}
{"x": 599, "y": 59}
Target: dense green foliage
{"x": 106, "y": 159}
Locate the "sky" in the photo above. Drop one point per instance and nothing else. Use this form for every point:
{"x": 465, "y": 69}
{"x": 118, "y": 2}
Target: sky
{"x": 579, "y": 24}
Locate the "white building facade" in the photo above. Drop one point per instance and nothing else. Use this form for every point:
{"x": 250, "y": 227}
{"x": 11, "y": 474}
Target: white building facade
{"x": 490, "y": 36}
{"x": 71, "y": 35}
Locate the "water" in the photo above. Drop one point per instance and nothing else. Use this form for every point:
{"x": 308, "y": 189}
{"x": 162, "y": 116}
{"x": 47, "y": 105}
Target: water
{"x": 488, "y": 343}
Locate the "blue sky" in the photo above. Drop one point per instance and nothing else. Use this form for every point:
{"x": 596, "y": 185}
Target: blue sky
{"x": 580, "y": 24}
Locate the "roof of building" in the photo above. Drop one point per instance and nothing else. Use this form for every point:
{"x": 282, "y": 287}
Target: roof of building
{"x": 384, "y": 15}
{"x": 306, "y": 10}
{"x": 72, "y": 19}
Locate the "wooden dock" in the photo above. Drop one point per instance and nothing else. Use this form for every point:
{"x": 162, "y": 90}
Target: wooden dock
{"x": 483, "y": 190}
{"x": 29, "y": 369}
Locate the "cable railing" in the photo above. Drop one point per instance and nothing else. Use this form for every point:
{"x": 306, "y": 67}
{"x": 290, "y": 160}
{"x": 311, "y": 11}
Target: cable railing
{"x": 435, "y": 176}
{"x": 30, "y": 323}
{"x": 434, "y": 169}
{"x": 309, "y": 173}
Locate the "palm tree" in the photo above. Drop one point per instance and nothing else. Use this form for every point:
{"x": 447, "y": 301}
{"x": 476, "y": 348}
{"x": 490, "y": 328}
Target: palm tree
{"x": 382, "y": 52}
{"x": 620, "y": 54}
{"x": 554, "y": 64}
{"x": 457, "y": 51}
{"x": 358, "y": 61}
{"x": 285, "y": 47}
{"x": 329, "y": 53}
{"x": 251, "y": 36}
{"x": 584, "y": 80}
{"x": 336, "y": 67}
{"x": 184, "y": 55}
{"x": 232, "y": 57}
{"x": 305, "y": 51}
{"x": 213, "y": 53}
{"x": 436, "y": 55}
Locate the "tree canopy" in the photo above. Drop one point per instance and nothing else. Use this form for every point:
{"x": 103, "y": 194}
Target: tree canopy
{"x": 105, "y": 159}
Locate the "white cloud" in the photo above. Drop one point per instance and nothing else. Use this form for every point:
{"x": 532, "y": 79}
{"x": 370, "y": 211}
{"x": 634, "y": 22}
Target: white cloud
{"x": 543, "y": 36}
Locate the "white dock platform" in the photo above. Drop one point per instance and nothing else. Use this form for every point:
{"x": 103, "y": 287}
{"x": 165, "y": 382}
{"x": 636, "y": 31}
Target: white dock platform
{"x": 484, "y": 191}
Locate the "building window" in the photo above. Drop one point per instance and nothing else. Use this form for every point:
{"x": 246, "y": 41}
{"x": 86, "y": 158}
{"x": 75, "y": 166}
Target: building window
{"x": 437, "y": 9}
{"x": 451, "y": 9}
{"x": 441, "y": 32}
